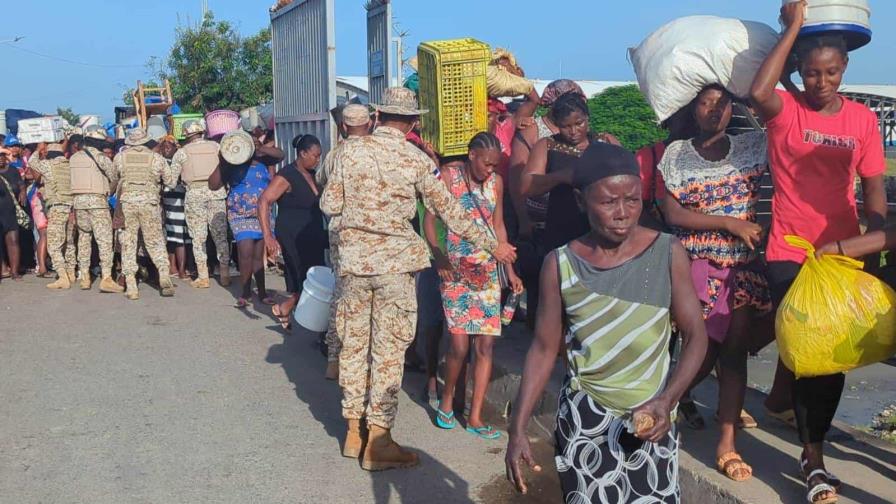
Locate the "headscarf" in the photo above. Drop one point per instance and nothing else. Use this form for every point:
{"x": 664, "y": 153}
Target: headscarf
{"x": 558, "y": 88}
{"x": 602, "y": 160}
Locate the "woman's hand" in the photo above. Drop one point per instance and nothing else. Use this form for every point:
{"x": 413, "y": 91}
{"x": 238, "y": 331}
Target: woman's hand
{"x": 659, "y": 408}
{"x": 609, "y": 138}
{"x": 833, "y": 248}
{"x": 793, "y": 14}
{"x": 443, "y": 266}
{"x": 505, "y": 253}
{"x": 518, "y": 450}
{"x": 516, "y": 285}
{"x": 749, "y": 232}
{"x": 272, "y": 246}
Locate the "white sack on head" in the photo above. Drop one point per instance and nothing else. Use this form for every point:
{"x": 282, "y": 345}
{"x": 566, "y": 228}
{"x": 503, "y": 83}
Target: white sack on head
{"x": 685, "y": 55}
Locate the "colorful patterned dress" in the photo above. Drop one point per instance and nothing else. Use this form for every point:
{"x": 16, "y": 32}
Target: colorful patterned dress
{"x": 728, "y": 187}
{"x": 472, "y": 299}
{"x": 246, "y": 183}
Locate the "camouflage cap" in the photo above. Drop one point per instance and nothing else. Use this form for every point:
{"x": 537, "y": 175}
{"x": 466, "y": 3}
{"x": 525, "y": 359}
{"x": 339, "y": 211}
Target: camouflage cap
{"x": 193, "y": 127}
{"x": 355, "y": 115}
{"x": 399, "y": 101}
{"x": 95, "y": 132}
{"x": 137, "y": 136}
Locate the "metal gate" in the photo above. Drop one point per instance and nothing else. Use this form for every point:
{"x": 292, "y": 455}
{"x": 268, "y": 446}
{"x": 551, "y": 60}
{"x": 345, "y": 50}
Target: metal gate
{"x": 303, "y": 46}
{"x": 379, "y": 43}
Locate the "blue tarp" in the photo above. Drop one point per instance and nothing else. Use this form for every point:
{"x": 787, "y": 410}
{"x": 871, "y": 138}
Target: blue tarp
{"x": 13, "y": 116}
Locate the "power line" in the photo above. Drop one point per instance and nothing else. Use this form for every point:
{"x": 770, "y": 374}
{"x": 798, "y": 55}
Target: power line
{"x": 65, "y": 60}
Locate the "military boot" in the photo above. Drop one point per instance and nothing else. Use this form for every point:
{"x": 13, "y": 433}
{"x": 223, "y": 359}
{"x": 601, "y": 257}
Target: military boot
{"x": 72, "y": 276}
{"x": 200, "y": 283}
{"x": 85, "y": 280}
{"x": 61, "y": 283}
{"x": 110, "y": 286}
{"x": 132, "y": 293}
{"x": 224, "y": 275}
{"x": 382, "y": 453}
{"x": 354, "y": 439}
{"x": 166, "y": 286}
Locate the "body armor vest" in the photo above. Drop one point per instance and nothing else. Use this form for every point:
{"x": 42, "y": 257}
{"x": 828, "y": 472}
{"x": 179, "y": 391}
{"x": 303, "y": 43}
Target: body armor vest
{"x": 202, "y": 159}
{"x": 86, "y": 177}
{"x": 137, "y": 174}
{"x": 60, "y": 183}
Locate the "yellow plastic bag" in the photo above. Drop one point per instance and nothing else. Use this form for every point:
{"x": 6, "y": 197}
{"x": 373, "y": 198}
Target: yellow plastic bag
{"x": 835, "y": 317}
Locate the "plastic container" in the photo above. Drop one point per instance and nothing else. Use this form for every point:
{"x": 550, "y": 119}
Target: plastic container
{"x": 453, "y": 87}
{"x": 41, "y": 124}
{"x": 850, "y": 18}
{"x": 313, "y": 310}
{"x": 88, "y": 120}
{"x": 177, "y": 123}
{"x": 509, "y": 309}
{"x": 219, "y": 122}
{"x": 2, "y": 122}
{"x": 249, "y": 118}
{"x": 237, "y": 147}
{"x": 38, "y": 136}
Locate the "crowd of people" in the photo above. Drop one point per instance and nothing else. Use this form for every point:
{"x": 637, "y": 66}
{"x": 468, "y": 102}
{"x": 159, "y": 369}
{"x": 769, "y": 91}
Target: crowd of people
{"x": 643, "y": 269}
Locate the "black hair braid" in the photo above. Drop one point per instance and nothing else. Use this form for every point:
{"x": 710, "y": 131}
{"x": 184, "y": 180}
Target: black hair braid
{"x": 566, "y": 104}
{"x": 484, "y": 140}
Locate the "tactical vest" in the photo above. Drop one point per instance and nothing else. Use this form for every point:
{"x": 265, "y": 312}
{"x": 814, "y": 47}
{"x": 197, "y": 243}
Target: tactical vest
{"x": 137, "y": 174}
{"x": 86, "y": 177}
{"x": 59, "y": 188}
{"x": 202, "y": 159}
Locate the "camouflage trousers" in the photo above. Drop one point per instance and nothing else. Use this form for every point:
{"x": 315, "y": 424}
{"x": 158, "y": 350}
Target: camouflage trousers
{"x": 96, "y": 224}
{"x": 204, "y": 215}
{"x": 334, "y": 346}
{"x": 375, "y": 320}
{"x": 61, "y": 238}
{"x": 145, "y": 218}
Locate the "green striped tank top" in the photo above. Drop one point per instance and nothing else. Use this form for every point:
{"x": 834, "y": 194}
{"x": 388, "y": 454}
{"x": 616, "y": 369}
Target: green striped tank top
{"x": 618, "y": 326}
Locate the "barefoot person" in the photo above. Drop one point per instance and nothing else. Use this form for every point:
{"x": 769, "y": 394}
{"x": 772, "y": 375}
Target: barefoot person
{"x": 373, "y": 188}
{"x": 614, "y": 289}
{"x": 818, "y": 142}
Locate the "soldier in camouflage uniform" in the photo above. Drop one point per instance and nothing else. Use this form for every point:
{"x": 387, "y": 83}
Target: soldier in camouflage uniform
{"x": 373, "y": 189}
{"x": 55, "y": 175}
{"x": 142, "y": 173}
{"x": 92, "y": 178}
{"x": 205, "y": 209}
{"x": 355, "y": 124}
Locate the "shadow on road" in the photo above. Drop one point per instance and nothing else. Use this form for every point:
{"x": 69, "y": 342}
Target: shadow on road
{"x": 300, "y": 359}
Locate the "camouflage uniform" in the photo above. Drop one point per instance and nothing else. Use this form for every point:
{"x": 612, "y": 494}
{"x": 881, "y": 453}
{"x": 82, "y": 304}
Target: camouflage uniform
{"x": 54, "y": 174}
{"x": 94, "y": 220}
{"x": 373, "y": 189}
{"x": 205, "y": 211}
{"x": 141, "y": 171}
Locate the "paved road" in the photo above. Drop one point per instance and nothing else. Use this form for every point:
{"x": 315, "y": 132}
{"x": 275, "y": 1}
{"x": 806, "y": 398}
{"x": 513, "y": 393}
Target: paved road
{"x": 189, "y": 400}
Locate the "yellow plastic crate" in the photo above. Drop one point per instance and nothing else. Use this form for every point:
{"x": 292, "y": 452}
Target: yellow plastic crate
{"x": 453, "y": 88}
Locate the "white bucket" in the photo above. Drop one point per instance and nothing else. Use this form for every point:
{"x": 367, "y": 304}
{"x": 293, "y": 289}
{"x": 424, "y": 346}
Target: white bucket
{"x": 313, "y": 310}
{"x": 850, "y": 18}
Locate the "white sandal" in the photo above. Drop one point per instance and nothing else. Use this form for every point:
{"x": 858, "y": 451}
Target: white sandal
{"x": 832, "y": 479}
{"x": 820, "y": 488}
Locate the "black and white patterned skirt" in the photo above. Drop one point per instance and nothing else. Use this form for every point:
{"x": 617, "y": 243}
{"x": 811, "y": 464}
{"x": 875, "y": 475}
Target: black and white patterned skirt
{"x": 175, "y": 219}
{"x": 599, "y": 462}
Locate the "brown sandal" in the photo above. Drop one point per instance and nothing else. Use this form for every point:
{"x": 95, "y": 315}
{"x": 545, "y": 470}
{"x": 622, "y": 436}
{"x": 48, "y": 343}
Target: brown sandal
{"x": 734, "y": 467}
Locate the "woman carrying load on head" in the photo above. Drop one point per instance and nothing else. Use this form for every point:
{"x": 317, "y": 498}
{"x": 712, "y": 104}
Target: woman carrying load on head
{"x": 818, "y": 141}
{"x": 615, "y": 289}
{"x": 712, "y": 189}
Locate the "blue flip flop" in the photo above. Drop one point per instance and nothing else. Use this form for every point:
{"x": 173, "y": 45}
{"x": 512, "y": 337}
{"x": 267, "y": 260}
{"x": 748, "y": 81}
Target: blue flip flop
{"x": 448, "y": 423}
{"x": 486, "y": 432}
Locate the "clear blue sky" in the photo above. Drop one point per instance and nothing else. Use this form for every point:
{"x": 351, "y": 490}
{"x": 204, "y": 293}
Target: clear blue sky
{"x": 586, "y": 39}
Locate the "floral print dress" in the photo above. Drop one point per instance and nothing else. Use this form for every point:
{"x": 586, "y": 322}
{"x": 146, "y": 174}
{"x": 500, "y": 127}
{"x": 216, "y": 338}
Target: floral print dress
{"x": 472, "y": 299}
{"x": 246, "y": 182}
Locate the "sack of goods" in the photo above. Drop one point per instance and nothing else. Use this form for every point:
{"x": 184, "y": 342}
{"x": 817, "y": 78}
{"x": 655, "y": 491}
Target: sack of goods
{"x": 675, "y": 62}
{"x": 835, "y": 317}
{"x": 504, "y": 77}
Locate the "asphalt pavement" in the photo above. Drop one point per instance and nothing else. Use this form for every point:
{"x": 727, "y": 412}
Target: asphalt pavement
{"x": 190, "y": 400}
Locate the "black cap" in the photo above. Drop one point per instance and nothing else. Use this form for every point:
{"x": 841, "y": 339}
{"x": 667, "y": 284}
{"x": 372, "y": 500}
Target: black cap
{"x": 601, "y": 160}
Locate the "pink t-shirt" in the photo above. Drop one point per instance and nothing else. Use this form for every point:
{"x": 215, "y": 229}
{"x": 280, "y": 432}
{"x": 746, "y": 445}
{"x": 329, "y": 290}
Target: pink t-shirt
{"x": 814, "y": 160}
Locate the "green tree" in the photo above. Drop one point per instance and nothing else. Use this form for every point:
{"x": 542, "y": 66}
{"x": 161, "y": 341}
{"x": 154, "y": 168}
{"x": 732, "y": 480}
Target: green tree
{"x": 67, "y": 114}
{"x": 623, "y": 111}
{"x": 212, "y": 66}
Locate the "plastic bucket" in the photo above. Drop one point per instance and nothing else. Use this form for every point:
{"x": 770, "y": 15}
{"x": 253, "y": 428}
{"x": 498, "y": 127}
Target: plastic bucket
{"x": 313, "y": 310}
{"x": 849, "y": 18}
{"x": 237, "y": 147}
{"x": 220, "y": 122}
